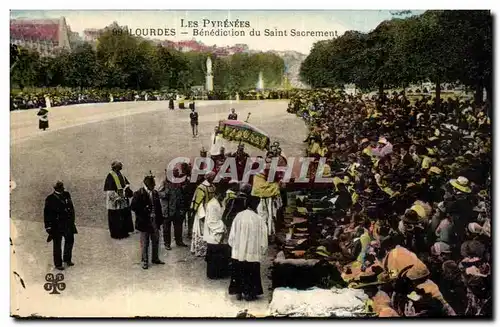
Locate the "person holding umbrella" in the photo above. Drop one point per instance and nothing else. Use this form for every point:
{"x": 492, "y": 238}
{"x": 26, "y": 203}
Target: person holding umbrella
{"x": 43, "y": 118}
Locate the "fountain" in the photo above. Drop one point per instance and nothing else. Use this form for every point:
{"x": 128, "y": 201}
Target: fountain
{"x": 260, "y": 83}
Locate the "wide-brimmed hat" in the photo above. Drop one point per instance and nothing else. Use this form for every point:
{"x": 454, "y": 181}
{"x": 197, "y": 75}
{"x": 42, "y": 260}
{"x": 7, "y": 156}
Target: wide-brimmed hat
{"x": 322, "y": 251}
{"x": 414, "y": 296}
{"x": 411, "y": 219}
{"x": 461, "y": 184}
{"x": 434, "y": 170}
{"x": 382, "y": 140}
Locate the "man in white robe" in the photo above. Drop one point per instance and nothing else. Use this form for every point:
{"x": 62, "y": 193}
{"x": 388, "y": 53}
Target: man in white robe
{"x": 215, "y": 235}
{"x": 248, "y": 241}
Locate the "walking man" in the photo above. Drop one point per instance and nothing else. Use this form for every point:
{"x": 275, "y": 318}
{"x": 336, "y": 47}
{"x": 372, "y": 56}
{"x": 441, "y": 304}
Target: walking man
{"x": 193, "y": 116}
{"x": 59, "y": 218}
{"x": 147, "y": 207}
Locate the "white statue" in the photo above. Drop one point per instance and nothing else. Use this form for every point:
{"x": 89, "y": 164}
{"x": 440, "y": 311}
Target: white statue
{"x": 209, "y": 79}
{"x": 209, "y": 66}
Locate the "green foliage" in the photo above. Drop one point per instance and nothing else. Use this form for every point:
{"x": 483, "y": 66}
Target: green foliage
{"x": 123, "y": 61}
{"x": 438, "y": 46}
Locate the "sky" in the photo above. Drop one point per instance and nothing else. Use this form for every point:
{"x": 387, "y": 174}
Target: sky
{"x": 325, "y": 20}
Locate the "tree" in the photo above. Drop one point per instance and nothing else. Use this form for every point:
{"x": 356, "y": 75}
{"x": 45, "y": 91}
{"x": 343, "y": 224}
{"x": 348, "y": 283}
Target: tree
{"x": 82, "y": 66}
{"x": 470, "y": 31}
{"x": 25, "y": 72}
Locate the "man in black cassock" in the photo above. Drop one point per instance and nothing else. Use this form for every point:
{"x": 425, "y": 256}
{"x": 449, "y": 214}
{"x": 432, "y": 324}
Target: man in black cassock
{"x": 171, "y": 104}
{"x": 118, "y": 193}
{"x": 59, "y": 219}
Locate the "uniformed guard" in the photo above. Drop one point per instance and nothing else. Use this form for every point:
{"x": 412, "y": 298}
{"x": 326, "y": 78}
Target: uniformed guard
{"x": 193, "y": 116}
{"x": 233, "y": 115}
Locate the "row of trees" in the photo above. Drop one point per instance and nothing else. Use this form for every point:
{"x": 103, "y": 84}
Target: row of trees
{"x": 121, "y": 60}
{"x": 438, "y": 46}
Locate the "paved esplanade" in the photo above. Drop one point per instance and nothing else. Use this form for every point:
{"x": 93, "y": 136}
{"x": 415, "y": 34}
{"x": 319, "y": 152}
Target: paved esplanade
{"x": 78, "y": 148}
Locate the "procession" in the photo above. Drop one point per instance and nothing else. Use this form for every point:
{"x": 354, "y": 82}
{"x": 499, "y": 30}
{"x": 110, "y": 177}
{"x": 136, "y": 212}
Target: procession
{"x": 260, "y": 200}
{"x": 395, "y": 195}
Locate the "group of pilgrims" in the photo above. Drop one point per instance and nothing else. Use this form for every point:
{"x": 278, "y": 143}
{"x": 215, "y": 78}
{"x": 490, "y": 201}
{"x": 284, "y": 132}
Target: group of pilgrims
{"x": 413, "y": 180}
{"x": 228, "y": 222}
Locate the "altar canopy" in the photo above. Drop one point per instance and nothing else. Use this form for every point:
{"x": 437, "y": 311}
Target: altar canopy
{"x": 238, "y": 131}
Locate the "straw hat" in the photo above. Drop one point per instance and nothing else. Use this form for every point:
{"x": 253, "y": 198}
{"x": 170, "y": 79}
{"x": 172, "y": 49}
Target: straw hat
{"x": 321, "y": 250}
{"x": 435, "y": 170}
{"x": 461, "y": 184}
{"x": 382, "y": 140}
{"x": 414, "y": 296}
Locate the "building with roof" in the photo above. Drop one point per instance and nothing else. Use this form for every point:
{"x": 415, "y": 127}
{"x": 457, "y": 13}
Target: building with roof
{"x": 46, "y": 36}
{"x": 92, "y": 34}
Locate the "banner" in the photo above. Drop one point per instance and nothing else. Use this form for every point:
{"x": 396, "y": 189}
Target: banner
{"x": 241, "y": 133}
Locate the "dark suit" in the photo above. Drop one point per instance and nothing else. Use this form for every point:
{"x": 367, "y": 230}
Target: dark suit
{"x": 144, "y": 209}
{"x": 59, "y": 218}
{"x": 173, "y": 208}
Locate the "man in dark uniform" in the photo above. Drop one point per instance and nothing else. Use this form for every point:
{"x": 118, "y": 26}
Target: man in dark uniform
{"x": 193, "y": 116}
{"x": 59, "y": 218}
{"x": 171, "y": 104}
{"x": 147, "y": 207}
{"x": 233, "y": 115}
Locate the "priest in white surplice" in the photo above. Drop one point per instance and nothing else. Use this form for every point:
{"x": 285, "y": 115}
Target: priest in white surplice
{"x": 218, "y": 252}
{"x": 248, "y": 241}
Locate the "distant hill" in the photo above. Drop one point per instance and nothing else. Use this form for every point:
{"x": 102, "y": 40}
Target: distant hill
{"x": 293, "y": 60}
